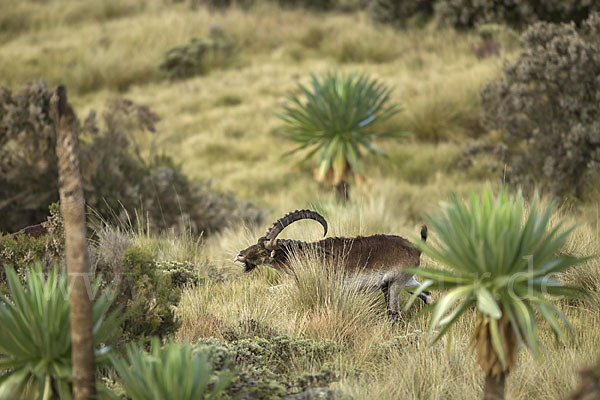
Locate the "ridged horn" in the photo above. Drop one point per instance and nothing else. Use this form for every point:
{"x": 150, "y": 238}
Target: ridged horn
{"x": 275, "y": 244}
{"x": 293, "y": 216}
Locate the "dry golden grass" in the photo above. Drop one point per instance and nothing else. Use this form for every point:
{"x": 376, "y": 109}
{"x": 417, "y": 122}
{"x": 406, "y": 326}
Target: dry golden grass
{"x": 392, "y": 360}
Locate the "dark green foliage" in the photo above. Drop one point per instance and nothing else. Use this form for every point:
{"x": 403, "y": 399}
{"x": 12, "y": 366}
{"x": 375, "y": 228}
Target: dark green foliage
{"x": 516, "y": 13}
{"x": 547, "y": 106}
{"x": 198, "y": 56}
{"x": 400, "y": 12}
{"x": 19, "y": 251}
{"x": 117, "y": 179}
{"x": 269, "y": 367}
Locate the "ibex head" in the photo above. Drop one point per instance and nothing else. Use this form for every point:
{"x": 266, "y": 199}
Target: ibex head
{"x": 262, "y": 253}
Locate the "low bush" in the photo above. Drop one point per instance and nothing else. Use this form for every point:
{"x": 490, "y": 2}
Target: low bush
{"x": 518, "y": 14}
{"x": 199, "y": 56}
{"x": 21, "y": 250}
{"x": 547, "y": 108}
{"x": 470, "y": 13}
{"x": 400, "y": 12}
{"x": 269, "y": 367}
{"x": 146, "y": 286}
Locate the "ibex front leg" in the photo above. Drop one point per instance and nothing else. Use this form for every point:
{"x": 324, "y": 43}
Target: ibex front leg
{"x": 425, "y": 296}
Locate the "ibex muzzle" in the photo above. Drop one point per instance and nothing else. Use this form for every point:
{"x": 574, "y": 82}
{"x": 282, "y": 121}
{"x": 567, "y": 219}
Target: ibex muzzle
{"x": 378, "y": 260}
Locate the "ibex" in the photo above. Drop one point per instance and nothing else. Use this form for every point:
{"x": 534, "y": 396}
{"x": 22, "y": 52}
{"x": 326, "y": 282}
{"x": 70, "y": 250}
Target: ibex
{"x": 378, "y": 260}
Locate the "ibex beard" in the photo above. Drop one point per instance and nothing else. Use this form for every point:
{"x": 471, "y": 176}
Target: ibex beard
{"x": 378, "y": 262}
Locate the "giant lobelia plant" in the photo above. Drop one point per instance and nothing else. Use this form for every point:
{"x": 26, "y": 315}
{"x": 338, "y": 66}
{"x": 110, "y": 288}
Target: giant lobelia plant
{"x": 172, "y": 371}
{"x": 502, "y": 262}
{"x": 35, "y": 339}
{"x": 337, "y": 122}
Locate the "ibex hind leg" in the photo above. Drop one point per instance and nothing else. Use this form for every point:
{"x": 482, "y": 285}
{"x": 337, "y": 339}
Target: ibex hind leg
{"x": 392, "y": 294}
{"x": 386, "y": 293}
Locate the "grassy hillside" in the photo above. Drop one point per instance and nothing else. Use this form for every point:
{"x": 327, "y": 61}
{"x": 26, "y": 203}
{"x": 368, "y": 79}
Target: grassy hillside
{"x": 223, "y": 127}
{"x": 218, "y": 125}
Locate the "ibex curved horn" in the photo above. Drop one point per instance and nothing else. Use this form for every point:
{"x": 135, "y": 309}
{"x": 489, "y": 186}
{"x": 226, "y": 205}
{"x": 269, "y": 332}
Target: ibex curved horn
{"x": 287, "y": 219}
{"x": 275, "y": 244}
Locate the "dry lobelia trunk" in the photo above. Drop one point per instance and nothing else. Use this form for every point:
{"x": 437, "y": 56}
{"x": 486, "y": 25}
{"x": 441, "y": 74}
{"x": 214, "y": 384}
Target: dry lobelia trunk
{"x": 73, "y": 211}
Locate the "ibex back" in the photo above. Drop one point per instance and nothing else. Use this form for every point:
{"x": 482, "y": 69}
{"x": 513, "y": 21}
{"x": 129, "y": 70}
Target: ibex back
{"x": 378, "y": 261}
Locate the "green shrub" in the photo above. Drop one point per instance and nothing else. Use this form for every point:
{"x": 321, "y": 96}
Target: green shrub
{"x": 149, "y": 289}
{"x": 198, "y": 56}
{"x": 117, "y": 179}
{"x": 268, "y": 367}
{"x": 172, "y": 371}
{"x": 35, "y": 339}
{"x": 519, "y": 14}
{"x": 547, "y": 108}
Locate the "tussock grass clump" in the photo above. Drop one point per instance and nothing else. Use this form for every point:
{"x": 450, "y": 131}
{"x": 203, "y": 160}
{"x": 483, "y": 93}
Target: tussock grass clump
{"x": 331, "y": 306}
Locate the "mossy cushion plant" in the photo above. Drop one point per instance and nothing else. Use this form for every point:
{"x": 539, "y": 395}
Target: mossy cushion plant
{"x": 503, "y": 262}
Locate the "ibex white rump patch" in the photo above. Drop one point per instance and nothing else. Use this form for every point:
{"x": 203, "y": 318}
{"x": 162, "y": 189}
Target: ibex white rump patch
{"x": 378, "y": 262}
